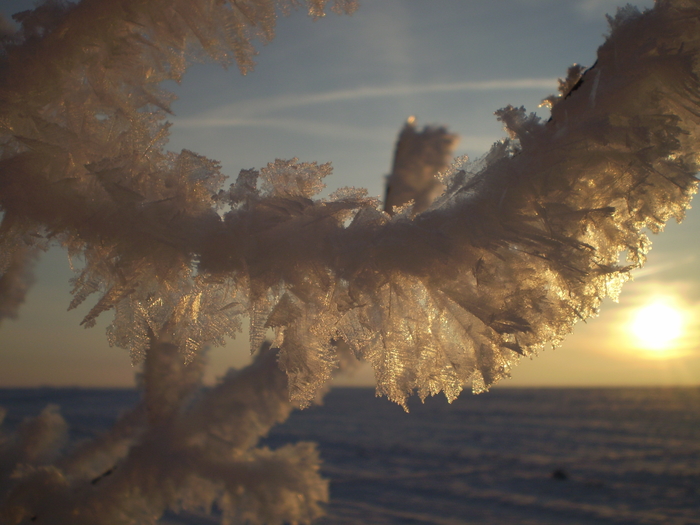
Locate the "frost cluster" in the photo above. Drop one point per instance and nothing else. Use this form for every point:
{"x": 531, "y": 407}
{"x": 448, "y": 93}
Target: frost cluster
{"x": 167, "y": 454}
{"x": 519, "y": 246}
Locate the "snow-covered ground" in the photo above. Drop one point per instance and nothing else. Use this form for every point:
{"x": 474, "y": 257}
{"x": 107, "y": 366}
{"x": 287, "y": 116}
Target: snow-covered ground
{"x": 511, "y": 456}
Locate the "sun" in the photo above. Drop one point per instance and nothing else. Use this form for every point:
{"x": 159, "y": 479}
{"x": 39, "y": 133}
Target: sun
{"x": 657, "y": 325}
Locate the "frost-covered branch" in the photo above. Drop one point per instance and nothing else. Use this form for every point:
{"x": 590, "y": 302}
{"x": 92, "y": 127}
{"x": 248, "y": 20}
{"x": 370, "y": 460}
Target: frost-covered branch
{"x": 517, "y": 249}
{"x": 173, "y": 451}
{"x": 520, "y": 246}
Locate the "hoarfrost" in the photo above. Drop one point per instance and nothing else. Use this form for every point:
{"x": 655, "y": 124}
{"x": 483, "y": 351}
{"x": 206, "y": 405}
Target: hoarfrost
{"x": 521, "y": 245}
{"x": 172, "y": 451}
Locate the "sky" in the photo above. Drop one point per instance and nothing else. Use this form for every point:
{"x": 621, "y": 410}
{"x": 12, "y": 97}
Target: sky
{"x": 339, "y": 89}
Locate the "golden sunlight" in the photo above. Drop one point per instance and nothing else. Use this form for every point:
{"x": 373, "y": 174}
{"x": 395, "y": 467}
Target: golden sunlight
{"x": 657, "y": 325}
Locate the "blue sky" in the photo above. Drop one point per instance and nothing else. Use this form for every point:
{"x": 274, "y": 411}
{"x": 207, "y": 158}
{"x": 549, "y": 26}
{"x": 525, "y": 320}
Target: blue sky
{"x": 339, "y": 89}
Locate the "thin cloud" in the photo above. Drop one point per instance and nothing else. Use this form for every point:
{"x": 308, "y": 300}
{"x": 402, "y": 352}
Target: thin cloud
{"x": 595, "y": 9}
{"x": 309, "y": 127}
{"x": 661, "y": 267}
{"x": 323, "y": 129}
{"x": 250, "y": 108}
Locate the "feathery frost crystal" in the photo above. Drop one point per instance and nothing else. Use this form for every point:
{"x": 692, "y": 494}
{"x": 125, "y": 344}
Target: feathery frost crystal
{"x": 518, "y": 247}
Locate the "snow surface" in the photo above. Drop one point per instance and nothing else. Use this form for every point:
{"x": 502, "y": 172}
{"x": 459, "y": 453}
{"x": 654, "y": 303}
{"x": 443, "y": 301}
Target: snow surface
{"x": 629, "y": 455}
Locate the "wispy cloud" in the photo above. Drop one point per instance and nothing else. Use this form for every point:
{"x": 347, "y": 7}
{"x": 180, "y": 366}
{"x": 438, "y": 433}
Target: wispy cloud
{"x": 310, "y": 127}
{"x": 336, "y": 131}
{"x": 595, "y": 9}
{"x": 241, "y": 113}
{"x": 651, "y": 270}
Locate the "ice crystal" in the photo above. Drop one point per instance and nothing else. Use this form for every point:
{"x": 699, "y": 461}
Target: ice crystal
{"x": 289, "y": 178}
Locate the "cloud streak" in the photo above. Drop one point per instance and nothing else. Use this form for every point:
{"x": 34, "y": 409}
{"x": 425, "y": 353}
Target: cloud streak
{"x": 307, "y": 126}
{"x": 324, "y": 129}
{"x": 594, "y": 9}
{"x": 239, "y": 113}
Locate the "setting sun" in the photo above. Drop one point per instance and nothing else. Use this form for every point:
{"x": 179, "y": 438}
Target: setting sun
{"x": 657, "y": 326}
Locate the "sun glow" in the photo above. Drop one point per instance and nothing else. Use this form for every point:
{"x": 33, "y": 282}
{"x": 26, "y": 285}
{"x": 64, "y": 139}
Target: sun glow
{"x": 657, "y": 326}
